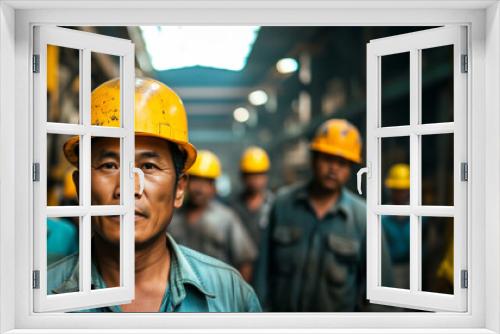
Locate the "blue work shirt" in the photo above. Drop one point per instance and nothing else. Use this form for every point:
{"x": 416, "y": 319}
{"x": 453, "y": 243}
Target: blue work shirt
{"x": 197, "y": 283}
{"x": 62, "y": 239}
{"x": 397, "y": 230}
{"x": 315, "y": 265}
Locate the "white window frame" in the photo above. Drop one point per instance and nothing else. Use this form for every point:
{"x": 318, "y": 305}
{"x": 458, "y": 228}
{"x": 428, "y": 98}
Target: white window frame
{"x": 483, "y": 21}
{"x": 85, "y": 43}
{"x": 413, "y": 44}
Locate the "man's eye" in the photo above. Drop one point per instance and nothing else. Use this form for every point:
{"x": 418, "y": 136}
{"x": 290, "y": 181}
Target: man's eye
{"x": 149, "y": 166}
{"x": 109, "y": 165}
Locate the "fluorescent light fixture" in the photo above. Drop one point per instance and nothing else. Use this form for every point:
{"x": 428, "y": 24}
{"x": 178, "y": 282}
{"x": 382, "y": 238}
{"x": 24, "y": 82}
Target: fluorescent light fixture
{"x": 174, "y": 47}
{"x": 241, "y": 115}
{"x": 257, "y": 97}
{"x": 287, "y": 65}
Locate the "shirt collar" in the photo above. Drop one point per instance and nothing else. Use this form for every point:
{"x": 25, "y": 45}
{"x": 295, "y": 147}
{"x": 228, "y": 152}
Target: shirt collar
{"x": 181, "y": 273}
{"x": 342, "y": 205}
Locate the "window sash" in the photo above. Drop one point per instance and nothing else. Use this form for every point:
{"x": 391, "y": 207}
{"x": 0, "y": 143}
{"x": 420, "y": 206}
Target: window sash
{"x": 413, "y": 43}
{"x": 86, "y": 43}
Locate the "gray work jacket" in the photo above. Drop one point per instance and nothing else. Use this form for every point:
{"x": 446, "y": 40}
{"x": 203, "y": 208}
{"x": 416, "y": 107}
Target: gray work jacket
{"x": 218, "y": 233}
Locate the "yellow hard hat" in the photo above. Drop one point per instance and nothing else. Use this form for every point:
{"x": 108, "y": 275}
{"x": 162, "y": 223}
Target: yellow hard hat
{"x": 399, "y": 177}
{"x": 254, "y": 160}
{"x": 338, "y": 137}
{"x": 159, "y": 112}
{"x": 206, "y": 165}
{"x": 69, "y": 186}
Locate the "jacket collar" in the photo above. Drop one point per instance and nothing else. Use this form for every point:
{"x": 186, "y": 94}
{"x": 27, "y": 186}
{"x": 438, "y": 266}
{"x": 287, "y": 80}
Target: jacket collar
{"x": 181, "y": 273}
{"x": 342, "y": 205}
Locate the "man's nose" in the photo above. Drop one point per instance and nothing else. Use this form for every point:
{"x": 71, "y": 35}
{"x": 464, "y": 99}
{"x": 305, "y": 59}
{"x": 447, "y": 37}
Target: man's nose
{"x": 137, "y": 186}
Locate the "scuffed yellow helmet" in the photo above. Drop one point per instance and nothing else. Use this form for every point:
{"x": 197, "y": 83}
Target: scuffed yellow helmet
{"x": 159, "y": 112}
{"x": 254, "y": 160}
{"x": 338, "y": 137}
{"x": 206, "y": 165}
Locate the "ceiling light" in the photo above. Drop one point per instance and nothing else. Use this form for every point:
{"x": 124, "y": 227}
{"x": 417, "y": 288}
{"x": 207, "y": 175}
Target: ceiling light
{"x": 222, "y": 47}
{"x": 287, "y": 65}
{"x": 257, "y": 97}
{"x": 241, "y": 115}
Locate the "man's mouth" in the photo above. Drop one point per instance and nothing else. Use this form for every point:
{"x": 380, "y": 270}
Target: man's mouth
{"x": 139, "y": 215}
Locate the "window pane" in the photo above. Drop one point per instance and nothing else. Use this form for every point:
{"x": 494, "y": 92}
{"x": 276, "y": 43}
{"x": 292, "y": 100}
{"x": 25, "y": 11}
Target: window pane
{"x": 63, "y": 85}
{"x": 397, "y": 232}
{"x": 437, "y": 84}
{"x": 437, "y": 170}
{"x": 62, "y": 250}
{"x": 105, "y": 100}
{"x": 437, "y": 254}
{"x": 61, "y": 189}
{"x": 395, "y": 170}
{"x": 105, "y": 171}
{"x": 106, "y": 248}
{"x": 395, "y": 83}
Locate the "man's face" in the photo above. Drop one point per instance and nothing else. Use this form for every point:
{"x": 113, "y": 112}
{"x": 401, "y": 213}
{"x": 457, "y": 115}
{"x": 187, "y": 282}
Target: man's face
{"x": 255, "y": 182}
{"x": 200, "y": 190}
{"x": 331, "y": 172}
{"x": 400, "y": 196}
{"x": 154, "y": 207}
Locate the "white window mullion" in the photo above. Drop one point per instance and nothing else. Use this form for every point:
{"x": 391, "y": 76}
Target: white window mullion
{"x": 414, "y": 169}
{"x": 128, "y": 161}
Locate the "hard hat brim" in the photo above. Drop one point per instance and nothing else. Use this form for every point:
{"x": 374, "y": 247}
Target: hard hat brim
{"x": 397, "y": 184}
{"x": 333, "y": 150}
{"x": 188, "y": 149}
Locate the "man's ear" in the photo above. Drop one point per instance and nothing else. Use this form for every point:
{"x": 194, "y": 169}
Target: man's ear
{"x": 76, "y": 181}
{"x": 180, "y": 191}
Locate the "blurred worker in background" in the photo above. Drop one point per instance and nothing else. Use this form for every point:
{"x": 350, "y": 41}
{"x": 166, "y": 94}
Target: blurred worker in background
{"x": 397, "y": 228}
{"x": 254, "y": 202}
{"x": 168, "y": 277}
{"x": 209, "y": 226}
{"x": 313, "y": 253}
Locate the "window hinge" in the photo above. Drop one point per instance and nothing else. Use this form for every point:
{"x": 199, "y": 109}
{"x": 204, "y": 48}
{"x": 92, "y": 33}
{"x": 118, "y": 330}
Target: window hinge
{"x": 36, "y": 279}
{"x": 36, "y": 172}
{"x": 465, "y": 64}
{"x": 465, "y": 279}
{"x": 464, "y": 171}
{"x": 36, "y": 63}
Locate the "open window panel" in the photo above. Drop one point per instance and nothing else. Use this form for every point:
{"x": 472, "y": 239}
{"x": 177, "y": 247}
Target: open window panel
{"x": 422, "y": 126}
{"x": 65, "y": 212}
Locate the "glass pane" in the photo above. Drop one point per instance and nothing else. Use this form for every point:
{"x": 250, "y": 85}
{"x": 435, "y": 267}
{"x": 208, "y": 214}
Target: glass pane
{"x": 63, "y": 85}
{"x": 105, "y": 171}
{"x": 437, "y": 169}
{"x": 395, "y": 171}
{"x": 437, "y": 254}
{"x": 61, "y": 173}
{"x": 106, "y": 244}
{"x": 105, "y": 84}
{"x": 437, "y": 84}
{"x": 62, "y": 251}
{"x": 397, "y": 232}
{"x": 395, "y": 82}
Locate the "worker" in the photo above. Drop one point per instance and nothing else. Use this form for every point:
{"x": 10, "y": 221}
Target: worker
{"x": 313, "y": 252}
{"x": 254, "y": 202}
{"x": 168, "y": 277}
{"x": 397, "y": 228}
{"x": 209, "y": 226}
